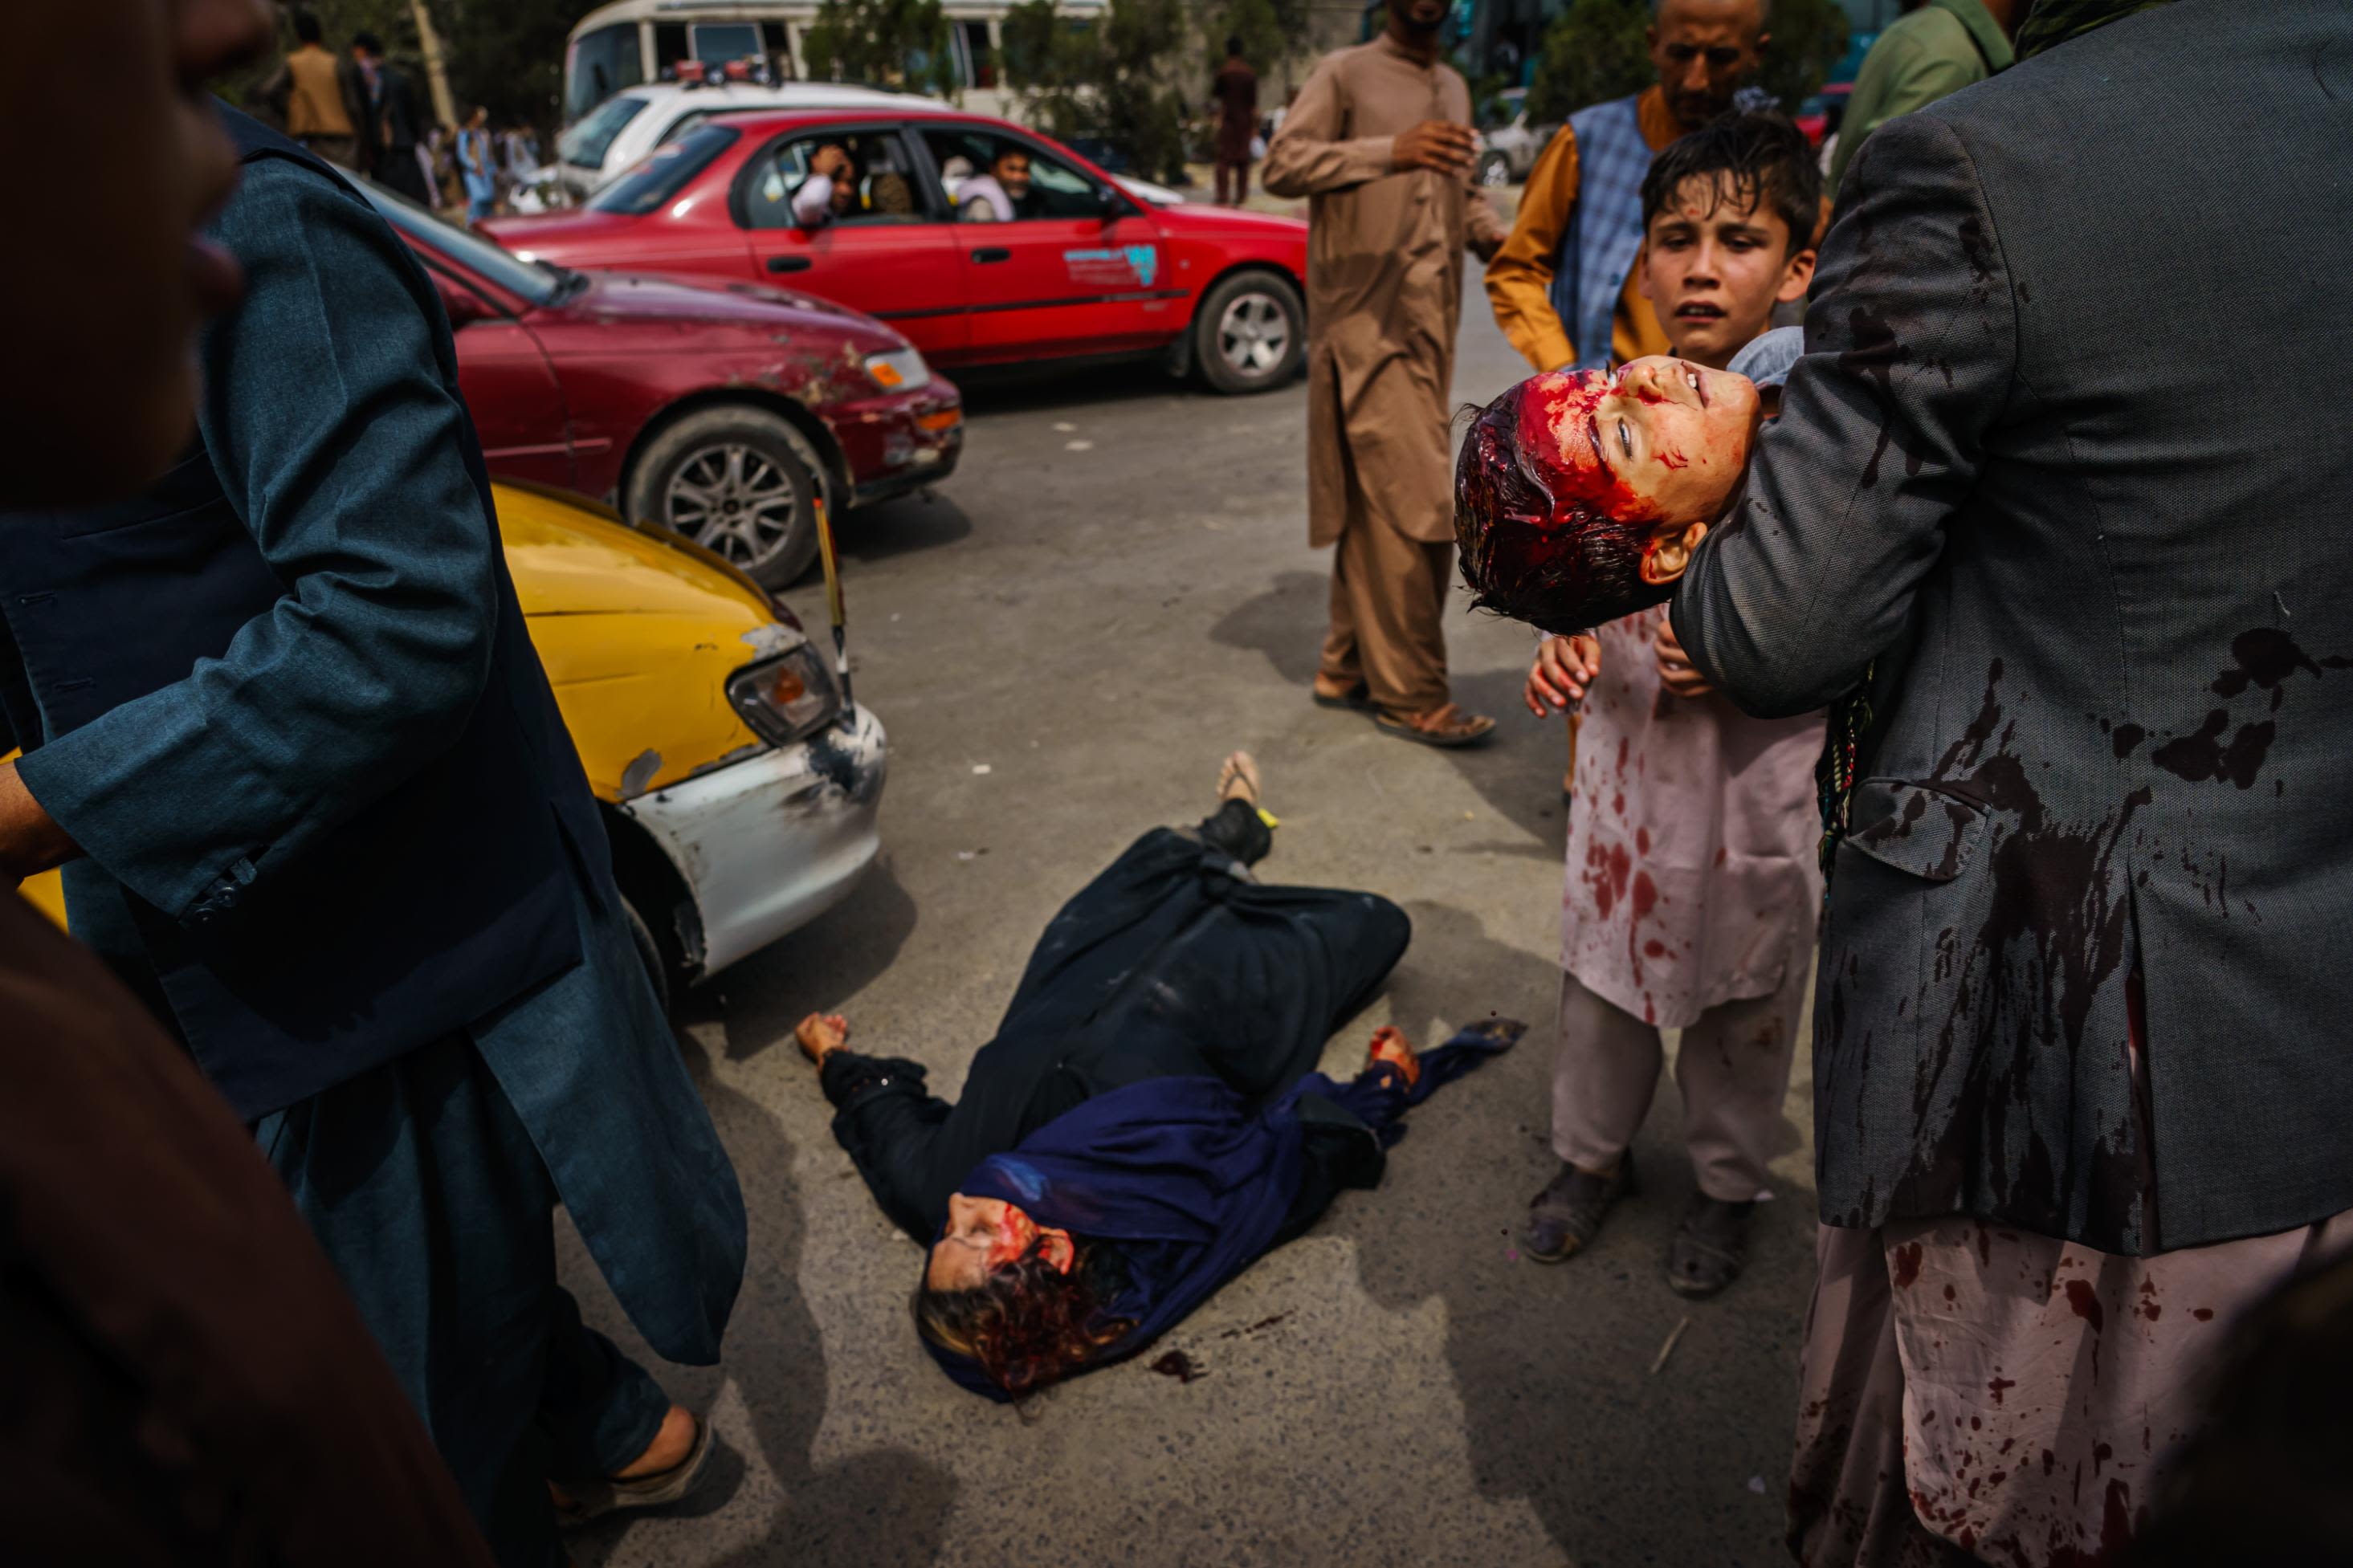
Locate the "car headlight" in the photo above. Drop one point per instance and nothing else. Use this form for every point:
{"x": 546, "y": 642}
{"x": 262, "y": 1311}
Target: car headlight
{"x": 901, "y": 370}
{"x": 787, "y": 698}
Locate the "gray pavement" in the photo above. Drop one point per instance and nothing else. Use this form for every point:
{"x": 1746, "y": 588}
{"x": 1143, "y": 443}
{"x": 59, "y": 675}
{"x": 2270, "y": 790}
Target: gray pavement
{"x": 1113, "y": 591}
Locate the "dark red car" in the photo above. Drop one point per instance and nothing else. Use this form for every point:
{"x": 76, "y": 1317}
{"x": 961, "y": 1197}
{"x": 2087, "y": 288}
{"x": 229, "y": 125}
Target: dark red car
{"x": 721, "y": 412}
{"x": 1083, "y": 264}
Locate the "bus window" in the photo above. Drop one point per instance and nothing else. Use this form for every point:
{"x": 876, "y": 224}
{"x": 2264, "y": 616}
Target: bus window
{"x": 602, "y": 63}
{"x": 670, "y": 48}
{"x": 717, "y": 42}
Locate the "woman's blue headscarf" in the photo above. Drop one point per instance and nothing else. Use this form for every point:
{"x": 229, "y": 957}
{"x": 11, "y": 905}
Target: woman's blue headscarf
{"x": 1188, "y": 1182}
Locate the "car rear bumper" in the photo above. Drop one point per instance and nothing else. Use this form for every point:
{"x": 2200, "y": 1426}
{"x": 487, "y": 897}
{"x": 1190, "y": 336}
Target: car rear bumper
{"x": 769, "y": 844}
{"x": 893, "y": 445}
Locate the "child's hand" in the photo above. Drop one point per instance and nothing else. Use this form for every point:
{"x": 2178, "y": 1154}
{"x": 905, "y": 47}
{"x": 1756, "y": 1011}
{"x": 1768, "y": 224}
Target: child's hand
{"x": 1564, "y": 667}
{"x": 1676, "y": 672}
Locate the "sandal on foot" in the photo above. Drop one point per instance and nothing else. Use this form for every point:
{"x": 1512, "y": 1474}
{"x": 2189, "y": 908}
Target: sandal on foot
{"x": 1447, "y": 726}
{"x": 1710, "y": 1248}
{"x": 584, "y": 1501}
{"x": 1355, "y": 700}
{"x": 1567, "y": 1214}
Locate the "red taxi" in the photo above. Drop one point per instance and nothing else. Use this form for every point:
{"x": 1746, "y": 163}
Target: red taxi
{"x": 722, "y": 414}
{"x": 1080, "y": 266}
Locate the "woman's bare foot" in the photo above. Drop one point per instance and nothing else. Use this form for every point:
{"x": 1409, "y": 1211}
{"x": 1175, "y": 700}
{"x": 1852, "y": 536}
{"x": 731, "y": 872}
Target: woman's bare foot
{"x": 1389, "y": 1044}
{"x": 1237, "y": 779}
{"x": 822, "y": 1033}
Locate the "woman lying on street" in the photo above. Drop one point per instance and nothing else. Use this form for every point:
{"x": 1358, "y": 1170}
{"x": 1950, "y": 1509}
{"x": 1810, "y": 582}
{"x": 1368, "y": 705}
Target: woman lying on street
{"x": 1146, "y": 1121}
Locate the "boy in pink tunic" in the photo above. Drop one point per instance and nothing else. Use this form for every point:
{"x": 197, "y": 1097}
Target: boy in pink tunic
{"x": 1692, "y": 886}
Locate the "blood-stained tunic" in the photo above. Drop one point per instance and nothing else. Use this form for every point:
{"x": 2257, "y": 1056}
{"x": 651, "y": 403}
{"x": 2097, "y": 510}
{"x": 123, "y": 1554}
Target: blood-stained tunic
{"x": 1385, "y": 272}
{"x": 1693, "y": 840}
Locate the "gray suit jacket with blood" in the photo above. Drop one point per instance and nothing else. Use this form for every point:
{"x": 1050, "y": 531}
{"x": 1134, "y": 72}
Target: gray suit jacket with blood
{"x": 2065, "y": 482}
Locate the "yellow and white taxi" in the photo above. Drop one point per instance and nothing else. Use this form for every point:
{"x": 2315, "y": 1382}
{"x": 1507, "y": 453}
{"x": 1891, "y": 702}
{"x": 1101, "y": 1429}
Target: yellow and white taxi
{"x": 738, "y": 787}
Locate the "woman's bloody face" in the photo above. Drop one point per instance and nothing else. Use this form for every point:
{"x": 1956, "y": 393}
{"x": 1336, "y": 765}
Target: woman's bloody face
{"x": 1663, "y": 441}
{"x": 983, "y": 1235}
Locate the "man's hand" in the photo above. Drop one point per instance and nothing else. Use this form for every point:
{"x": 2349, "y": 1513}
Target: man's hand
{"x": 821, "y": 1035}
{"x": 1564, "y": 667}
{"x": 1676, "y": 672}
{"x": 830, "y": 159}
{"x": 30, "y": 840}
{"x": 1438, "y": 144}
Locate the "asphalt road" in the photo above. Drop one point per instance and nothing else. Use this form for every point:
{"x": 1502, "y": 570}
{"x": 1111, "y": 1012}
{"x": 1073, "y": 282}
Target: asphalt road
{"x": 1113, "y": 591}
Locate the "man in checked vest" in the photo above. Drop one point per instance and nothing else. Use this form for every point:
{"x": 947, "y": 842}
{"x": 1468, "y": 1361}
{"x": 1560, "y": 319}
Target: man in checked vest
{"x": 1563, "y": 285}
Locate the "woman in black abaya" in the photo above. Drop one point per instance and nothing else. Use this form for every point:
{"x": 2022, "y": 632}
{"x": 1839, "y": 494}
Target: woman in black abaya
{"x": 1146, "y": 1120}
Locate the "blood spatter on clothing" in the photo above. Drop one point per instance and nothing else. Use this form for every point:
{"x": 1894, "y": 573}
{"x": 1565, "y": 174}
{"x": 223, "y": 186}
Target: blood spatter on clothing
{"x": 1995, "y": 1388}
{"x": 2203, "y": 1314}
{"x": 2203, "y": 754}
{"x": 2084, "y": 1301}
{"x": 2263, "y": 657}
{"x": 1903, "y": 1270}
{"x": 2021, "y": 993}
{"x": 2125, "y": 738}
{"x": 1874, "y": 357}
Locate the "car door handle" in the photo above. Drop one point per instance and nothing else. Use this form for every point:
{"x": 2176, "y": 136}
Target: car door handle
{"x": 988, "y": 253}
{"x": 788, "y": 264}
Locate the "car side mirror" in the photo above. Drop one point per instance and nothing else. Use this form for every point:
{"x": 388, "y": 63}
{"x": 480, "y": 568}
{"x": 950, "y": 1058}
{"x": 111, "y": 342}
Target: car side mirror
{"x": 1109, "y": 203}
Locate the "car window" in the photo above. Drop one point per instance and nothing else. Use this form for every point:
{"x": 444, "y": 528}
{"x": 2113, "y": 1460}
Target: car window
{"x": 664, "y": 171}
{"x": 872, "y": 181}
{"x": 991, "y": 177}
{"x": 686, "y": 122}
{"x": 517, "y": 276}
{"x": 587, "y": 143}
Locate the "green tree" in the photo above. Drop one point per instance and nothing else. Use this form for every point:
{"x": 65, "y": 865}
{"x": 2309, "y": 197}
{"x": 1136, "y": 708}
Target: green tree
{"x": 504, "y": 55}
{"x": 1809, "y": 38}
{"x": 1599, "y": 50}
{"x": 894, "y": 43}
{"x": 1270, "y": 31}
{"x": 1110, "y": 80}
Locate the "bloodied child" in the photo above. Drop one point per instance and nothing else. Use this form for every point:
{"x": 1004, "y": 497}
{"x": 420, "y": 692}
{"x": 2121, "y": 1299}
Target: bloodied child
{"x": 1692, "y": 888}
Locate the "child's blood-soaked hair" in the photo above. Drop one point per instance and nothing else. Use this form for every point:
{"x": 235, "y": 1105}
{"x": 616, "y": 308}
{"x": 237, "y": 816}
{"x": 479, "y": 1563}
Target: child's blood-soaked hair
{"x": 1547, "y": 538}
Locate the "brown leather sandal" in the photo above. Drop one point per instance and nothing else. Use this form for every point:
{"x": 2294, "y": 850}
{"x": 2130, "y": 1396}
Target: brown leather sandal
{"x": 1448, "y": 726}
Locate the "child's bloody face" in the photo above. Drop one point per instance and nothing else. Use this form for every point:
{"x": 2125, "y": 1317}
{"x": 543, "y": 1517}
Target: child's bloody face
{"x": 1662, "y": 442}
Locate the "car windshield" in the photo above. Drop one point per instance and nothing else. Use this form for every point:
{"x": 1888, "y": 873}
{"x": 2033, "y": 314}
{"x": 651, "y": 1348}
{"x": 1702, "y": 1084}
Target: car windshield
{"x": 537, "y": 283}
{"x": 584, "y": 144}
{"x": 663, "y": 173}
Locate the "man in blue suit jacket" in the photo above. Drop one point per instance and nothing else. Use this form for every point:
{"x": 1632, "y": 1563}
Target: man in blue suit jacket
{"x": 285, "y": 733}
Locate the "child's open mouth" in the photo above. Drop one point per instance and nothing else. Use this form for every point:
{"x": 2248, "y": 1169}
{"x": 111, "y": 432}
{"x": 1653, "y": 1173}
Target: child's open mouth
{"x": 1698, "y": 310}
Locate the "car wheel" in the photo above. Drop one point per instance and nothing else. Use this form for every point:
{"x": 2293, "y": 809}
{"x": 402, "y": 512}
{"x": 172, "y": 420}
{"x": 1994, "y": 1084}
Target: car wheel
{"x": 649, "y": 953}
{"x": 1250, "y": 334}
{"x": 741, "y": 482}
{"x": 1494, "y": 171}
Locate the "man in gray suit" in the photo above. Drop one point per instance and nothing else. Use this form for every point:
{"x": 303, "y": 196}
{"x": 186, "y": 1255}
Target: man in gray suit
{"x": 2055, "y": 516}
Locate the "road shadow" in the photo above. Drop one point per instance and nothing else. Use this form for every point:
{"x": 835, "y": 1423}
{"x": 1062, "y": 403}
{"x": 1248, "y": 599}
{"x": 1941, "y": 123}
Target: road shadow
{"x": 1553, "y": 1364}
{"x": 814, "y": 969}
{"x": 1517, "y": 773}
{"x": 877, "y": 1506}
{"x": 902, "y": 525}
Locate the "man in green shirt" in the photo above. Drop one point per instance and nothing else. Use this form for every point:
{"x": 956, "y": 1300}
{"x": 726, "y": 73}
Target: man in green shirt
{"x": 1939, "y": 48}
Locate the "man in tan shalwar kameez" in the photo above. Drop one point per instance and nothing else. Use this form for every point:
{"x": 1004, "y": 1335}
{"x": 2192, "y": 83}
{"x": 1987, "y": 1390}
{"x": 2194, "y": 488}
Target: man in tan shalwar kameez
{"x": 1380, "y": 141}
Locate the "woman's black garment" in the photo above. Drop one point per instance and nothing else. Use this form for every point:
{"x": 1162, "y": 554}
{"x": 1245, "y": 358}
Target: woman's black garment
{"x": 1171, "y": 963}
